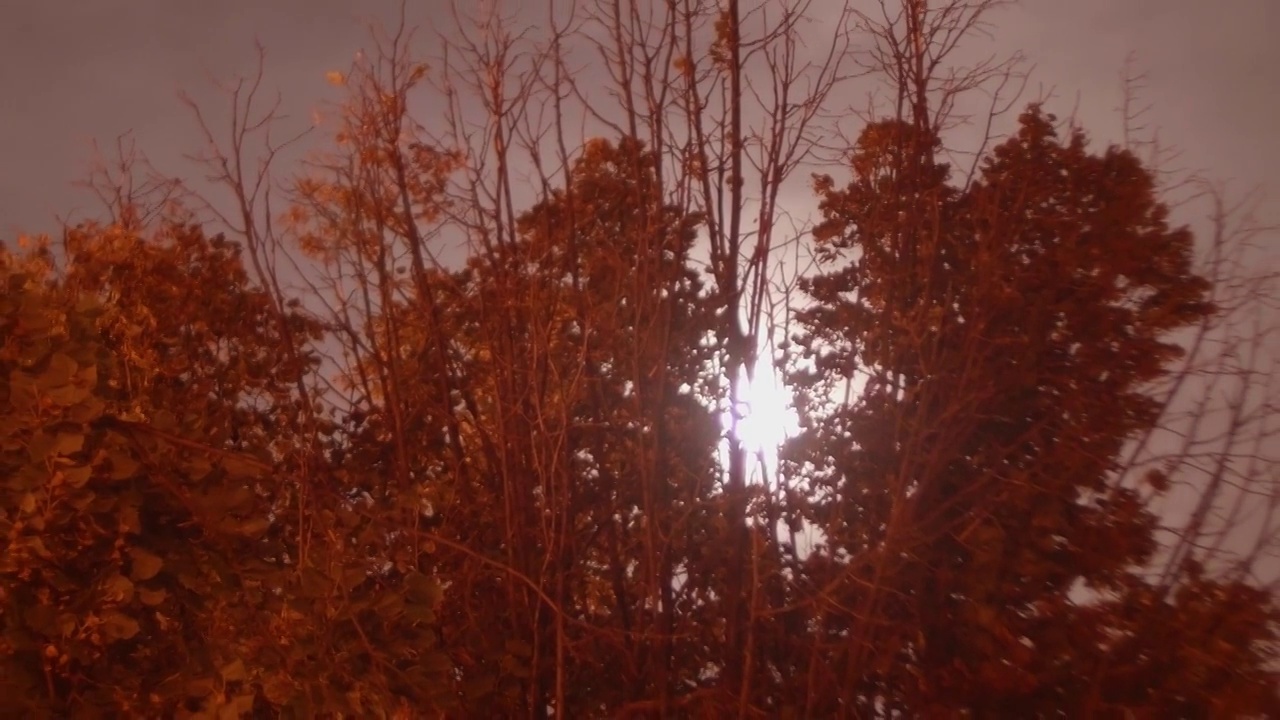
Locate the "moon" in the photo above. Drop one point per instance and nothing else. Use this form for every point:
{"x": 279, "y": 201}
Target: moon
{"x": 767, "y": 417}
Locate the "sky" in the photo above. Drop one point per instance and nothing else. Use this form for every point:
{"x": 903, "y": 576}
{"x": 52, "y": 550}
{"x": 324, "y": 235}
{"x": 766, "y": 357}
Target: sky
{"x": 72, "y": 72}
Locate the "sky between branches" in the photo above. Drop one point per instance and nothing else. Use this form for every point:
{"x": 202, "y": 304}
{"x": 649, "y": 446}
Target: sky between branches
{"x": 72, "y": 72}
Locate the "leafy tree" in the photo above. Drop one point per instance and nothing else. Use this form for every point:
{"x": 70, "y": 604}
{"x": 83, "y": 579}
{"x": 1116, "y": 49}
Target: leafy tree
{"x": 144, "y": 531}
{"x": 108, "y": 582}
{"x": 608, "y": 298}
{"x": 1004, "y": 336}
{"x": 565, "y": 469}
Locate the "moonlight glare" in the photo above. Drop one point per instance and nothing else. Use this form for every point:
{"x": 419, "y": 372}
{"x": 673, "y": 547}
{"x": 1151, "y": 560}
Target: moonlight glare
{"x": 768, "y": 418}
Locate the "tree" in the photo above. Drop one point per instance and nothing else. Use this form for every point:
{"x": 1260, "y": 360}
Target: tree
{"x": 569, "y": 440}
{"x": 1007, "y": 333}
{"x": 618, "y": 317}
{"x": 108, "y": 577}
{"x": 144, "y": 528}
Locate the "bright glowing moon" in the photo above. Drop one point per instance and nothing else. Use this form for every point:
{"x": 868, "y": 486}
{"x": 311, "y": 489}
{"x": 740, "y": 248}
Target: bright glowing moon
{"x": 767, "y": 418}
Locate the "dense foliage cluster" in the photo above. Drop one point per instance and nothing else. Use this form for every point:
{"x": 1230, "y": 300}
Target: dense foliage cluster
{"x": 502, "y": 487}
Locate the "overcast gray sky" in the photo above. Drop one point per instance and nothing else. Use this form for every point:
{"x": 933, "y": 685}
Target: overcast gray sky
{"x": 75, "y": 70}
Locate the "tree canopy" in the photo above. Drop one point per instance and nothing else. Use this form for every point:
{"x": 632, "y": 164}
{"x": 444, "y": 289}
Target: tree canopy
{"x": 302, "y": 463}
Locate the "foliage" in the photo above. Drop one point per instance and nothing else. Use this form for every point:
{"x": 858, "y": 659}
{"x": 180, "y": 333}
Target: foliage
{"x": 1005, "y": 336}
{"x": 413, "y": 482}
{"x": 140, "y": 541}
